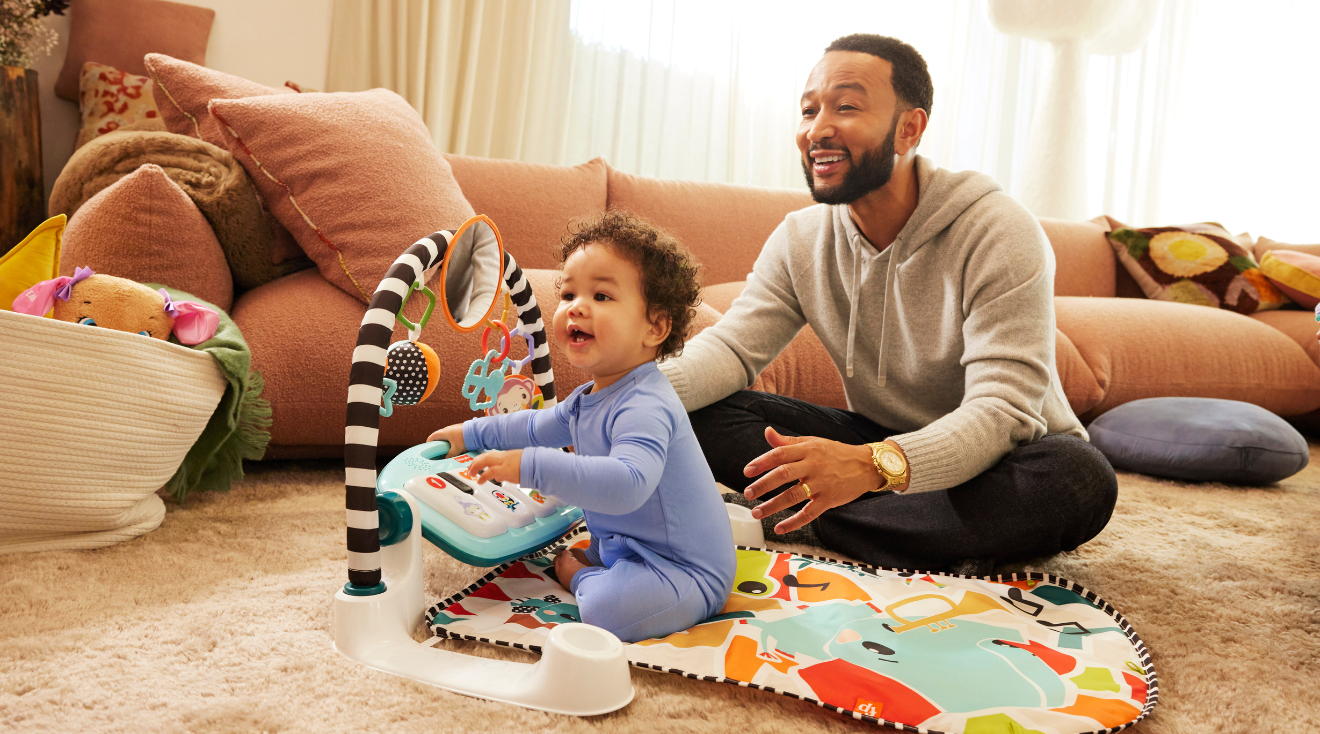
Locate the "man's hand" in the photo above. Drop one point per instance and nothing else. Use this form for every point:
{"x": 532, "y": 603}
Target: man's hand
{"x": 452, "y": 434}
{"x": 837, "y": 473}
{"x": 505, "y": 466}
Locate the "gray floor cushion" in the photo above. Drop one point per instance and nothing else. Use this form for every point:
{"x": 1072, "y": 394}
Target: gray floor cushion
{"x": 1200, "y": 440}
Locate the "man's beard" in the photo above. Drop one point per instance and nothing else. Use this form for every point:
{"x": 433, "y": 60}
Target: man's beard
{"x": 865, "y": 174}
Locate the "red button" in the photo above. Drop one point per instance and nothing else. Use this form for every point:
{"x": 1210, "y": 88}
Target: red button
{"x": 436, "y": 482}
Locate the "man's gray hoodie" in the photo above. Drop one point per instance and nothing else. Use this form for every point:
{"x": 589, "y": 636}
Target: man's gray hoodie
{"x": 946, "y": 336}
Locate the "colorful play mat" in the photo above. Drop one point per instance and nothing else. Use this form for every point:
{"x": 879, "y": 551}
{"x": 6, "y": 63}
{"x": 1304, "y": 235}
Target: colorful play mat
{"x": 920, "y": 652}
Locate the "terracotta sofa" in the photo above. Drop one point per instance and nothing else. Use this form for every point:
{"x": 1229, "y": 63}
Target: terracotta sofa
{"x": 1113, "y": 344}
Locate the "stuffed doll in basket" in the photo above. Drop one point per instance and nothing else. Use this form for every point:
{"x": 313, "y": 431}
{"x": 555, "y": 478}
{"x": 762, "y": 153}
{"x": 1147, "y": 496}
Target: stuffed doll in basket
{"x": 120, "y": 304}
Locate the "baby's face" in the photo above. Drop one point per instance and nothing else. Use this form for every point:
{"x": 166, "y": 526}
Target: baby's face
{"x": 601, "y": 319}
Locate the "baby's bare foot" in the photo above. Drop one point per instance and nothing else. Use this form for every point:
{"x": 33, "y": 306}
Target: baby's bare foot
{"x": 568, "y": 563}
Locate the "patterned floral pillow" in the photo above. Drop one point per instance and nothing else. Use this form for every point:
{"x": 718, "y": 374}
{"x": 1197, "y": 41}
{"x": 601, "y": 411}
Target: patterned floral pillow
{"x": 1201, "y": 264}
{"x": 110, "y": 99}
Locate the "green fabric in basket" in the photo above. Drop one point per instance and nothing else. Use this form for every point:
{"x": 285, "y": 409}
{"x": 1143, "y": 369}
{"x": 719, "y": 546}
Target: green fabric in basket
{"x": 239, "y": 427}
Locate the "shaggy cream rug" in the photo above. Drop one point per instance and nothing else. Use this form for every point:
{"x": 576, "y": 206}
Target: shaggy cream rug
{"x": 220, "y": 621}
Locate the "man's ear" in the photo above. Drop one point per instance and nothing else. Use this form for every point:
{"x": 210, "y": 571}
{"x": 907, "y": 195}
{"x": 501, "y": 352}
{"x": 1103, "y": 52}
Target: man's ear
{"x": 911, "y": 126}
{"x": 660, "y": 326}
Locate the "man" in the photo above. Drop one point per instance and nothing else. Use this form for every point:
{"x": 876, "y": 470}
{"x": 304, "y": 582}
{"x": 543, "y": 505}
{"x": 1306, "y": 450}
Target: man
{"x": 933, "y": 293}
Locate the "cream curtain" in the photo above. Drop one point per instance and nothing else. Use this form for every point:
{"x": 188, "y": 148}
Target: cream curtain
{"x": 488, "y": 77}
{"x": 690, "y": 89}
{"x": 1211, "y": 118}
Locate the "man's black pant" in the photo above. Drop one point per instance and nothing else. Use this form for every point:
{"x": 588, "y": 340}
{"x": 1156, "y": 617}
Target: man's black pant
{"x": 1047, "y": 496}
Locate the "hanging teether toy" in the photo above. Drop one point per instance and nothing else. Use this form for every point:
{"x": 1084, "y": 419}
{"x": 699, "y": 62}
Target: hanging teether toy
{"x": 518, "y": 330}
{"x": 411, "y": 367}
{"x": 486, "y": 375}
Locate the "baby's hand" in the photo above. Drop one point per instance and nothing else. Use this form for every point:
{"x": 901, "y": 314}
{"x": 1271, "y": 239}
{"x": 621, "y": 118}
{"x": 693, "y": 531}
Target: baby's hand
{"x": 502, "y": 465}
{"x": 454, "y": 435}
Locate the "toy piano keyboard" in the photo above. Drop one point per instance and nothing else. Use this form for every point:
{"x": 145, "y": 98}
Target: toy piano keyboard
{"x": 479, "y": 524}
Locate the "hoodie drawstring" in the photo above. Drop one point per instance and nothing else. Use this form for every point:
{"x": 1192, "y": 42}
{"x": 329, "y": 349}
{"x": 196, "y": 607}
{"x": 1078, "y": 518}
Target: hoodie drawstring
{"x": 891, "y": 278}
{"x": 852, "y": 310}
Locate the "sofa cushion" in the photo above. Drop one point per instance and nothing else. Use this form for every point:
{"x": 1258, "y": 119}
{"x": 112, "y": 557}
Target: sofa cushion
{"x": 184, "y": 90}
{"x": 353, "y": 175}
{"x": 1200, "y": 440}
{"x": 803, "y": 370}
{"x": 1084, "y": 261}
{"x": 1080, "y": 387}
{"x": 724, "y": 225}
{"x": 121, "y": 32}
{"x": 531, "y": 203}
{"x": 1300, "y": 326}
{"x": 1296, "y": 274}
{"x": 1200, "y": 264}
{"x": 721, "y": 296}
{"x": 145, "y": 228}
{"x": 1145, "y": 348}
{"x": 302, "y": 331}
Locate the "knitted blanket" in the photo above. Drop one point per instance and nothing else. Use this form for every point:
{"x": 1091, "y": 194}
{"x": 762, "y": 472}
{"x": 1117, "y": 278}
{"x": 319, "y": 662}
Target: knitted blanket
{"x": 257, "y": 248}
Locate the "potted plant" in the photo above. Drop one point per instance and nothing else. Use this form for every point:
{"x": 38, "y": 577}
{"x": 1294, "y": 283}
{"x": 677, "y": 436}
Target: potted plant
{"x": 23, "y": 38}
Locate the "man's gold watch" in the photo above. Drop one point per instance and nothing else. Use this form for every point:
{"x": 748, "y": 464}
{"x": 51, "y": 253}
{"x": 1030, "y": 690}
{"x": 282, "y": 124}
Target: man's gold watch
{"x": 891, "y": 464}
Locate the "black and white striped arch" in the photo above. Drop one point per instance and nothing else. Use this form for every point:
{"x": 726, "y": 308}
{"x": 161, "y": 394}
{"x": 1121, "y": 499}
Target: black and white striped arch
{"x": 361, "y": 430}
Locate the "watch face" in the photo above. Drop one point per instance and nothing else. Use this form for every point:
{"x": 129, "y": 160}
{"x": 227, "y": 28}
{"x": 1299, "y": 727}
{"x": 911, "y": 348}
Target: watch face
{"x": 891, "y": 462}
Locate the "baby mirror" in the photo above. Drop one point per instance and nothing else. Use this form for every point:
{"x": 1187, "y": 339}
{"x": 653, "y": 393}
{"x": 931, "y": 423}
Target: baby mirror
{"x": 471, "y": 275}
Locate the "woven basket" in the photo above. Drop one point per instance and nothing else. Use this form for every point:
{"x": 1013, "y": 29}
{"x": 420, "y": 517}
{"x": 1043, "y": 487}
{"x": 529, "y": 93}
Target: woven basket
{"x": 92, "y": 423}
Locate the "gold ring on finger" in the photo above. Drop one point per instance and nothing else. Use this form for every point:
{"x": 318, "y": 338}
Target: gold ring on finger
{"x": 806, "y": 489}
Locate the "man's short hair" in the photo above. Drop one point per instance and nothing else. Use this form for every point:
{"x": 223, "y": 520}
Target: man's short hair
{"x": 911, "y": 78}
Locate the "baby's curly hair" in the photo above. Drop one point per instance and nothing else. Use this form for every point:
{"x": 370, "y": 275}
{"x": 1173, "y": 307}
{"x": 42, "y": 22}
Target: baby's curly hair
{"x": 669, "y": 273}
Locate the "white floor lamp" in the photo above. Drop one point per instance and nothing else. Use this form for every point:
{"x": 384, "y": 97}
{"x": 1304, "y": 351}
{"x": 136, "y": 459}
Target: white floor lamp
{"x": 1055, "y": 172}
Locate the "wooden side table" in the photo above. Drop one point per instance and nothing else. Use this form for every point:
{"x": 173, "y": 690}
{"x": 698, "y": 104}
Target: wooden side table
{"x": 22, "y": 191}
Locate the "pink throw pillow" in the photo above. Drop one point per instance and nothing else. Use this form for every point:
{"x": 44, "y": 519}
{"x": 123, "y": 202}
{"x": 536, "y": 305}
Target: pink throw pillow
{"x": 120, "y": 32}
{"x": 1265, "y": 245}
{"x": 353, "y": 175}
{"x": 145, "y": 228}
{"x": 183, "y": 90}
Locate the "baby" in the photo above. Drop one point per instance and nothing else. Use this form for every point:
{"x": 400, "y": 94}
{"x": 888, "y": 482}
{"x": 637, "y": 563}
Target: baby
{"x": 661, "y": 557}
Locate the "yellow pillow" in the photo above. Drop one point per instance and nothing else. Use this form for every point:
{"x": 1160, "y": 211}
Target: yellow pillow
{"x": 33, "y": 260}
{"x": 1297, "y": 274}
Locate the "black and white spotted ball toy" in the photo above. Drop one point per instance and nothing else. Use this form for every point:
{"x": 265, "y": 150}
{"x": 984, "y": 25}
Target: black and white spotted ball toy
{"x": 416, "y": 369}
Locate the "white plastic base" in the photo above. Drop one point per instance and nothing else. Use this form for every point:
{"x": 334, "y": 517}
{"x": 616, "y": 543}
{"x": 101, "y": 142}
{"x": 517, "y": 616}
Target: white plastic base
{"x": 746, "y": 529}
{"x": 582, "y": 671}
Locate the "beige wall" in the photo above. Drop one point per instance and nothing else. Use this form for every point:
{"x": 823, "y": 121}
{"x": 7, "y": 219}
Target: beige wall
{"x": 267, "y": 41}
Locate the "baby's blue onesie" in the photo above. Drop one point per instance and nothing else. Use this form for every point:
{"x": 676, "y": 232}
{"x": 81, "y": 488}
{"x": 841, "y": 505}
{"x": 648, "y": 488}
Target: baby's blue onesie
{"x": 661, "y": 541}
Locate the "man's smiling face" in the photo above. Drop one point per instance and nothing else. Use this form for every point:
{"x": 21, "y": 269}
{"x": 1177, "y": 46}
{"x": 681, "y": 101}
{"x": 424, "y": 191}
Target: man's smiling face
{"x": 849, "y": 116}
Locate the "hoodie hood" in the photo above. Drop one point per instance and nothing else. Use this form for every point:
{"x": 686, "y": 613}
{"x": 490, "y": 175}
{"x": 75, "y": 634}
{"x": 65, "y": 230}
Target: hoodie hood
{"x": 942, "y": 196}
